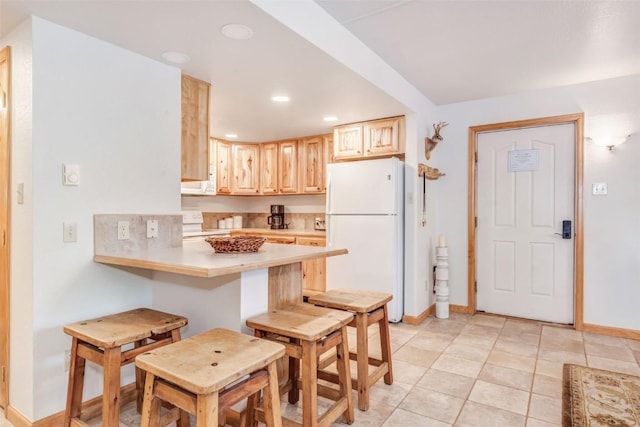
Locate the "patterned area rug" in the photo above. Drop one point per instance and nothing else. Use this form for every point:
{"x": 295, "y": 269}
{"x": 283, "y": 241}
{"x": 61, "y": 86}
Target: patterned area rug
{"x": 593, "y": 398}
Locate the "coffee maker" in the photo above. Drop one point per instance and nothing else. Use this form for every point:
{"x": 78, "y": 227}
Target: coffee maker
{"x": 276, "y": 220}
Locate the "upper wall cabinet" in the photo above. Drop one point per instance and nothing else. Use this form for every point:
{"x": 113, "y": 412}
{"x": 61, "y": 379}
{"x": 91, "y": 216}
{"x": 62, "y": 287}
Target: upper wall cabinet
{"x": 195, "y": 129}
{"x": 223, "y": 167}
{"x": 269, "y": 168}
{"x": 375, "y": 138}
{"x": 245, "y": 168}
{"x": 312, "y": 164}
{"x": 288, "y": 167}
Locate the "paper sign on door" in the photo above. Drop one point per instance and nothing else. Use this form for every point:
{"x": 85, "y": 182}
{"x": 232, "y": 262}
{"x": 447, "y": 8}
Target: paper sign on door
{"x": 523, "y": 160}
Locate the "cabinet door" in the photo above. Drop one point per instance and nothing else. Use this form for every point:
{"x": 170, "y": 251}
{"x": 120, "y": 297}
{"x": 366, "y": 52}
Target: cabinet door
{"x": 223, "y": 167}
{"x": 269, "y": 169}
{"x": 246, "y": 169}
{"x": 347, "y": 141}
{"x": 313, "y": 272}
{"x": 384, "y": 136}
{"x": 288, "y": 167}
{"x": 312, "y": 165}
{"x": 195, "y": 129}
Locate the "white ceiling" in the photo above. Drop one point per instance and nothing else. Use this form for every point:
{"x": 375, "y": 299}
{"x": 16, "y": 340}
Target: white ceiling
{"x": 451, "y": 51}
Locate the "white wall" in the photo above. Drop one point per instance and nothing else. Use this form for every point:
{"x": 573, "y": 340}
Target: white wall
{"x": 255, "y": 204}
{"x": 611, "y": 270}
{"x": 117, "y": 115}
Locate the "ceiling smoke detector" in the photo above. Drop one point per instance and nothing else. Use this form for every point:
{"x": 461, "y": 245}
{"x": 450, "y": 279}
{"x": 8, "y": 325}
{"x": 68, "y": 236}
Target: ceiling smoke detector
{"x": 237, "y": 31}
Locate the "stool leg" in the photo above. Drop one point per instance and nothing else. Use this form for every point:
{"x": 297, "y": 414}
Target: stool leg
{"x": 75, "y": 385}
{"x": 385, "y": 342}
{"x": 294, "y": 374}
{"x": 309, "y": 384}
{"x": 249, "y": 420}
{"x": 273, "y": 417}
{"x": 207, "y": 410}
{"x": 362, "y": 360}
{"x": 139, "y": 378}
{"x": 111, "y": 391}
{"x": 344, "y": 376}
{"x": 150, "y": 414}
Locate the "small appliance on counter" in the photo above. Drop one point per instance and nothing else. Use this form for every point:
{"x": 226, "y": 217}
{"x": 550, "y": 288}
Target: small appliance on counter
{"x": 192, "y": 226}
{"x": 276, "y": 219}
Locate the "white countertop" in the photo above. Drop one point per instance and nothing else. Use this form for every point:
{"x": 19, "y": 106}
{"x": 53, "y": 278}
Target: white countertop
{"x": 197, "y": 258}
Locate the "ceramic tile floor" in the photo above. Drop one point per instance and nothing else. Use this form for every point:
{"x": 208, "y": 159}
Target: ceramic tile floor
{"x": 478, "y": 370}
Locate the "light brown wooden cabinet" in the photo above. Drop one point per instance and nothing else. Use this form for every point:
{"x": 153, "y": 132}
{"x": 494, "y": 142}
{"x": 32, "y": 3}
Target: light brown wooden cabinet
{"x": 245, "y": 160}
{"x": 223, "y": 167}
{"x": 269, "y": 168}
{"x": 195, "y": 129}
{"x": 312, "y": 164}
{"x": 288, "y": 167}
{"x": 375, "y": 138}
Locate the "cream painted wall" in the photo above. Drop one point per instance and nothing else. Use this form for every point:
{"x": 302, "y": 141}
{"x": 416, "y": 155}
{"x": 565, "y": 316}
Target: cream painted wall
{"x": 611, "y": 223}
{"x": 117, "y": 115}
{"x": 255, "y": 204}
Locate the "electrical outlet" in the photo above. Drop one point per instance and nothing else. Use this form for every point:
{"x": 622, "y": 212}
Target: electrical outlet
{"x": 152, "y": 228}
{"x": 123, "y": 230}
{"x": 67, "y": 360}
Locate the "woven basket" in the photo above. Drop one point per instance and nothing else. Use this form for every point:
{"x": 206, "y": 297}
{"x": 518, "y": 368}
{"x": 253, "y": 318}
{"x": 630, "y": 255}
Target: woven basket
{"x": 235, "y": 245}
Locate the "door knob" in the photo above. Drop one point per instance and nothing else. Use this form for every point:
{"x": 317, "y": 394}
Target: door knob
{"x": 566, "y": 230}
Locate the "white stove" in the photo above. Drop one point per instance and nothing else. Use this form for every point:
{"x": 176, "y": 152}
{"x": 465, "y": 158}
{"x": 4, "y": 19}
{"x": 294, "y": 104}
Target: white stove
{"x": 192, "y": 226}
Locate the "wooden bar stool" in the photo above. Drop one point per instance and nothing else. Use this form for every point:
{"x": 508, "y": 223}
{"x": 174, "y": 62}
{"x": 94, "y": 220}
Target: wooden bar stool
{"x": 101, "y": 341}
{"x": 369, "y": 308}
{"x": 207, "y": 373}
{"x": 307, "y": 332}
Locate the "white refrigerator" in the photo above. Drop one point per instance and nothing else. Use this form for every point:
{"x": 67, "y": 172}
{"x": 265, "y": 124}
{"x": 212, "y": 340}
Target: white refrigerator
{"x": 365, "y": 215}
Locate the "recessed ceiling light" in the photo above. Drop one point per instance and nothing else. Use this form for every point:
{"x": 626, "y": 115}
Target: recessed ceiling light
{"x": 280, "y": 98}
{"x": 176, "y": 57}
{"x": 231, "y": 135}
{"x": 237, "y": 31}
{"x": 330, "y": 118}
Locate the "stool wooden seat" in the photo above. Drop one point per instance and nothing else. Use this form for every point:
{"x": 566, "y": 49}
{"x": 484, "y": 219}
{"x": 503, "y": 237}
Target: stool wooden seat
{"x": 369, "y": 308}
{"x": 307, "y": 332}
{"x": 195, "y": 374}
{"x": 100, "y": 341}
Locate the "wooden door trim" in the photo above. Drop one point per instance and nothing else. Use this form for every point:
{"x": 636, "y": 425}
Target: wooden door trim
{"x": 5, "y": 238}
{"x": 578, "y": 265}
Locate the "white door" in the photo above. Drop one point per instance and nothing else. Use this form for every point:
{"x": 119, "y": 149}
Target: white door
{"x": 525, "y": 190}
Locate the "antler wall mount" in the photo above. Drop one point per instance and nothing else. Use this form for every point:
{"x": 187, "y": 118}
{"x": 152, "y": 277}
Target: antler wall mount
{"x": 430, "y": 143}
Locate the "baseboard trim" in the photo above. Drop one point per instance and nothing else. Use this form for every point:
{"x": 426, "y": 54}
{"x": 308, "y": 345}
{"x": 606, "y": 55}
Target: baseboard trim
{"x": 90, "y": 408}
{"x": 458, "y": 309}
{"x": 416, "y": 320}
{"x": 608, "y": 330}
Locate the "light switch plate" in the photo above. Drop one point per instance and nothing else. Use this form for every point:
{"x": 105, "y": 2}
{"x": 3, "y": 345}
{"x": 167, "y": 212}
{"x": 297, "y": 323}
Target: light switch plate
{"x": 600, "y": 189}
{"x": 70, "y": 174}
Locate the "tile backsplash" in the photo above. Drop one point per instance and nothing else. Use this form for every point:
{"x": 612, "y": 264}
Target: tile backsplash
{"x": 296, "y": 221}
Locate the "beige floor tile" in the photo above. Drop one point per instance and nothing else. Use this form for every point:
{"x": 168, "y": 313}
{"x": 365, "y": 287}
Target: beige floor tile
{"x": 545, "y": 408}
{"x": 524, "y": 326}
{"x": 488, "y": 320}
{"x": 518, "y": 336}
{"x": 481, "y": 330}
{"x": 432, "y": 404}
{"x": 515, "y": 347}
{"x": 549, "y": 369}
{"x": 604, "y": 340}
{"x": 636, "y": 354}
{"x": 547, "y": 386}
{"x": 447, "y": 383}
{"x": 463, "y": 351}
{"x": 507, "y": 377}
{"x": 461, "y": 317}
{"x": 447, "y": 327}
{"x": 562, "y": 356}
{"x": 475, "y": 340}
{"x": 532, "y": 422}
{"x": 513, "y": 361}
{"x": 431, "y": 341}
{"x": 389, "y": 394}
{"x": 415, "y": 356}
{"x": 455, "y": 365}
{"x": 567, "y": 333}
{"x": 476, "y": 415}
{"x": 402, "y": 418}
{"x": 499, "y": 396}
{"x": 559, "y": 343}
{"x": 613, "y": 365}
{"x": 406, "y": 372}
{"x": 610, "y": 352}
{"x": 375, "y": 416}
{"x": 633, "y": 344}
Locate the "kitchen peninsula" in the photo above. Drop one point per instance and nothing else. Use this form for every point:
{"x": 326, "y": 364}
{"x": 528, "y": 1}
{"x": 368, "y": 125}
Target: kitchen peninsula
{"x": 267, "y": 279}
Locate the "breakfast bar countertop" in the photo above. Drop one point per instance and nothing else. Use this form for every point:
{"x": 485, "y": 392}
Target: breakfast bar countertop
{"x": 196, "y": 258}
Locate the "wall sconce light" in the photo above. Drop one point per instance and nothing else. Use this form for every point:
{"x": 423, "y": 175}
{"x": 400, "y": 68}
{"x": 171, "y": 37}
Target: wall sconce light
{"x": 609, "y": 141}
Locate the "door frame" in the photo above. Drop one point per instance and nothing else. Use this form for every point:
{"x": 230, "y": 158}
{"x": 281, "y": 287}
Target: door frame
{"x": 5, "y": 227}
{"x": 578, "y": 263}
